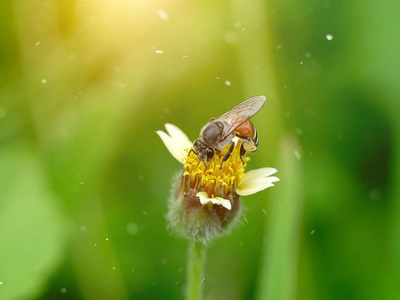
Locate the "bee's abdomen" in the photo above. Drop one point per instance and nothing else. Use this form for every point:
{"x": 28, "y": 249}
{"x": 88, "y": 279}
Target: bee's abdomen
{"x": 248, "y": 133}
{"x": 246, "y": 130}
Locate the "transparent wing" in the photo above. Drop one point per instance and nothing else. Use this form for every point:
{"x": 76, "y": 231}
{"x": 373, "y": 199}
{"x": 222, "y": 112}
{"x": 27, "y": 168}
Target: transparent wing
{"x": 240, "y": 113}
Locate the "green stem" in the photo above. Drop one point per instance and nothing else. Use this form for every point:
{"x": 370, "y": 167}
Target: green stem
{"x": 195, "y": 268}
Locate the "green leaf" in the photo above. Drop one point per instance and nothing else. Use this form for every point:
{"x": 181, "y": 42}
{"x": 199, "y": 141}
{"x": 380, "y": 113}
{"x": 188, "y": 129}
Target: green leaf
{"x": 32, "y": 232}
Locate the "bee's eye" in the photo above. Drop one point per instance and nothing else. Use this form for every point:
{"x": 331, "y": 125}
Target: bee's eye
{"x": 210, "y": 153}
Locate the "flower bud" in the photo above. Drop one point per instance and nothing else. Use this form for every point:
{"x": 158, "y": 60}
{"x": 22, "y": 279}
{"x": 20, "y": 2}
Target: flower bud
{"x": 204, "y": 200}
{"x": 204, "y": 203}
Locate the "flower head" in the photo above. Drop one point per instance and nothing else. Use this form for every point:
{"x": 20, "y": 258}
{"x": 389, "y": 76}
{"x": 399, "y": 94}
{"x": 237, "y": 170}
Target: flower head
{"x": 206, "y": 199}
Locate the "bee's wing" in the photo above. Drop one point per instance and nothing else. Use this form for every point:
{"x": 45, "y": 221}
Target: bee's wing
{"x": 240, "y": 113}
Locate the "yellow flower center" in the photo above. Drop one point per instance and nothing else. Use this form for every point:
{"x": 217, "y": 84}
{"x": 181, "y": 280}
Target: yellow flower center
{"x": 216, "y": 181}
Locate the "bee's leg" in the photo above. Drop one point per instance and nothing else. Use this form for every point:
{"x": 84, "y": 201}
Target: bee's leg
{"x": 242, "y": 152}
{"x": 204, "y": 164}
{"x": 227, "y": 154}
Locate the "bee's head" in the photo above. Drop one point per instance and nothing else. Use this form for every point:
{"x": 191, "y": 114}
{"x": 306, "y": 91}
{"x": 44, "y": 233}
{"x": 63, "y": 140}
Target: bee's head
{"x": 204, "y": 153}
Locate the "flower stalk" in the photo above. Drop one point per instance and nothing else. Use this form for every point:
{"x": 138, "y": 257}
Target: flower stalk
{"x": 205, "y": 197}
{"x": 195, "y": 275}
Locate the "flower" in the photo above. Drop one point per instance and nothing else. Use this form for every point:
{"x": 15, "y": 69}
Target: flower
{"x": 206, "y": 200}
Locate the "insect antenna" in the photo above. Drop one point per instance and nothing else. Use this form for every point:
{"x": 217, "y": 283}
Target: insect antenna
{"x": 191, "y": 150}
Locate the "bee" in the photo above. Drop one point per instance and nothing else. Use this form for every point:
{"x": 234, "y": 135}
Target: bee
{"x": 221, "y": 131}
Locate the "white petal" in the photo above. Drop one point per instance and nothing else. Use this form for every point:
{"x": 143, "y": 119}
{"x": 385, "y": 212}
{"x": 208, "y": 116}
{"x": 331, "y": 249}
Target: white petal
{"x": 256, "y": 180}
{"x": 172, "y": 147}
{"x": 176, "y": 142}
{"x": 263, "y": 172}
{"x": 221, "y": 201}
{"x": 178, "y": 136}
{"x": 203, "y": 196}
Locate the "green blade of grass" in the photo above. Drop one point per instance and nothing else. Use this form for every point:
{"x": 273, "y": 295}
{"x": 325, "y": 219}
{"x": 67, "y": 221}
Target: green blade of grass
{"x": 278, "y": 274}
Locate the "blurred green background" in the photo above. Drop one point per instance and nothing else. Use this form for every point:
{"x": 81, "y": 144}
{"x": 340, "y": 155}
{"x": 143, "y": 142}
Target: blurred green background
{"x": 84, "y": 179}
